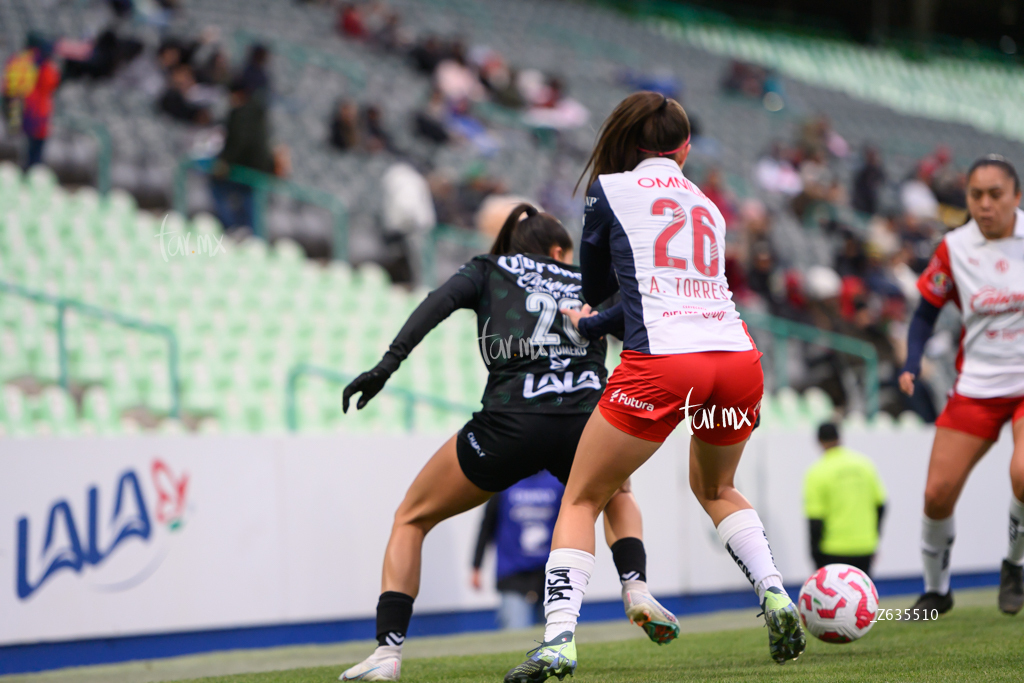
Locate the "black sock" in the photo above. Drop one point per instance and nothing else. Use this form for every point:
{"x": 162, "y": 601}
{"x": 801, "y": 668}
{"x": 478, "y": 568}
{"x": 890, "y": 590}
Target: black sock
{"x": 630, "y": 559}
{"x": 394, "y": 610}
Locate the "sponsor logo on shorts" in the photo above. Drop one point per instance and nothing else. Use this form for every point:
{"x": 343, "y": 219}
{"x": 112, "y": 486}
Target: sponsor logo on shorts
{"x": 619, "y": 396}
{"x": 471, "y": 437}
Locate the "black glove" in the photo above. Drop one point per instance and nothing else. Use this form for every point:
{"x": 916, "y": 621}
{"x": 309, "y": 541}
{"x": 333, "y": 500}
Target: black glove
{"x": 367, "y": 384}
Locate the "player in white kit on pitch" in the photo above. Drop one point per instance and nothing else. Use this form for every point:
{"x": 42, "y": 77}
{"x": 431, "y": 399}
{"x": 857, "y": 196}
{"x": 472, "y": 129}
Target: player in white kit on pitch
{"x": 980, "y": 268}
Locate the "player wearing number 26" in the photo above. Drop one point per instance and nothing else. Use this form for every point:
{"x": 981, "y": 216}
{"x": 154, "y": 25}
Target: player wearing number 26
{"x": 652, "y": 235}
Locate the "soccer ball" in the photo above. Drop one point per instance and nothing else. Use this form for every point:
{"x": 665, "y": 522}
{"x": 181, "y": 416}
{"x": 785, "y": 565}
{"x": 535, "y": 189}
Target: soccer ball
{"x": 838, "y": 603}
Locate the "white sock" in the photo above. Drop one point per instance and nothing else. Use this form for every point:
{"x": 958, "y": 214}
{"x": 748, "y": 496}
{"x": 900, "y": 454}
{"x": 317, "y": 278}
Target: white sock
{"x": 743, "y": 536}
{"x": 565, "y": 581}
{"x": 936, "y": 541}
{"x": 1016, "y": 552}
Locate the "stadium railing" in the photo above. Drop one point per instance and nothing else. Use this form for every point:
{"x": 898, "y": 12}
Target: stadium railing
{"x": 410, "y": 398}
{"x": 783, "y": 331}
{"x": 105, "y": 153}
{"x": 63, "y": 304}
{"x": 263, "y": 184}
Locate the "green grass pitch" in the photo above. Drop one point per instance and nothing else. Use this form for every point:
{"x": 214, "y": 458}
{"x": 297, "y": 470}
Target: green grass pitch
{"x": 969, "y": 644}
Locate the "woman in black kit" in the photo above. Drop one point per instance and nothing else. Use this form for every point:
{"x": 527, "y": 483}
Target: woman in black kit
{"x": 544, "y": 379}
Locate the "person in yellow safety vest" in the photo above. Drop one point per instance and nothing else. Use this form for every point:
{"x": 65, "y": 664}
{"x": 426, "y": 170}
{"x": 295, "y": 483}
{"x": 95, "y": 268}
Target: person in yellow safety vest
{"x": 844, "y": 500}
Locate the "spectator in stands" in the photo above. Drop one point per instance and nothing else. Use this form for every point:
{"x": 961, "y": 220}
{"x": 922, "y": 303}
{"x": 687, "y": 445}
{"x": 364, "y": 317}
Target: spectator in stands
{"x": 427, "y": 54}
{"x": 519, "y": 521}
{"x": 407, "y": 215}
{"x": 819, "y": 182}
{"x": 917, "y": 197}
{"x": 430, "y": 121}
{"x": 255, "y": 73}
{"x": 107, "y": 53}
{"x": 176, "y": 101}
{"x": 350, "y": 22}
{"x": 719, "y": 192}
{"x": 20, "y": 73}
{"x": 776, "y": 173}
{"x": 945, "y": 181}
{"x": 745, "y": 79}
{"x": 38, "y": 107}
{"x": 456, "y": 81}
{"x": 499, "y": 78}
{"x": 376, "y": 138}
{"x": 868, "y": 182}
{"x": 819, "y": 140}
{"x": 844, "y": 500}
{"x": 345, "y": 134}
{"x": 246, "y": 144}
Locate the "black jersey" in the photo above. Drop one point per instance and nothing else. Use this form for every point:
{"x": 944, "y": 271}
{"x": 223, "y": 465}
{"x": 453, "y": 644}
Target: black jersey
{"x": 536, "y": 360}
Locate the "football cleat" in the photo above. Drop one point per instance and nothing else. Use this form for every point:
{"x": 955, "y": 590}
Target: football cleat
{"x": 643, "y": 610}
{"x": 385, "y": 664}
{"x": 1011, "y": 587}
{"x": 786, "y": 638}
{"x": 931, "y": 602}
{"x": 556, "y": 657}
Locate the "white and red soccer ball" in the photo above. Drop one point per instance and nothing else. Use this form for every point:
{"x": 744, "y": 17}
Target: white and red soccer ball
{"x": 838, "y": 604}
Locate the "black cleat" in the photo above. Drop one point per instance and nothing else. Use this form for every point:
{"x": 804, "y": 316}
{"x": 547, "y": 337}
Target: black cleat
{"x": 1011, "y": 588}
{"x": 930, "y": 605}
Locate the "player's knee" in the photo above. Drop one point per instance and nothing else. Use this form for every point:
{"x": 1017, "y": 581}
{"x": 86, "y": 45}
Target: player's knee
{"x": 412, "y": 516}
{"x": 939, "y": 499}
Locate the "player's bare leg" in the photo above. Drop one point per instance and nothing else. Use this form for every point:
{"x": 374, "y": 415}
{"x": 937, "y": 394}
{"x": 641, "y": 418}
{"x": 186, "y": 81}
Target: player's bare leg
{"x": 440, "y": 491}
{"x": 954, "y": 455}
{"x": 605, "y": 458}
{"x": 712, "y": 471}
{"x": 1011, "y": 576}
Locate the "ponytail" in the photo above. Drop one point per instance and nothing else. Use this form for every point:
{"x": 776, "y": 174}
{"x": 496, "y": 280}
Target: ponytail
{"x": 645, "y": 124}
{"x": 529, "y": 231}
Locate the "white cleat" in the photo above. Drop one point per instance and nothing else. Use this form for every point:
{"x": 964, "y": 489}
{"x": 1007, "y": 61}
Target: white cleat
{"x": 385, "y": 664}
{"x": 643, "y": 610}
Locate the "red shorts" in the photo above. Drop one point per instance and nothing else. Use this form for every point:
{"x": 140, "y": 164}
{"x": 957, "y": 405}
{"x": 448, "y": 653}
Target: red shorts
{"x": 982, "y": 417}
{"x": 647, "y": 396}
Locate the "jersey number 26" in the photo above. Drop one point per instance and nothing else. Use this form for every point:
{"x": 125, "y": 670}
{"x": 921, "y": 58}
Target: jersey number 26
{"x": 705, "y": 247}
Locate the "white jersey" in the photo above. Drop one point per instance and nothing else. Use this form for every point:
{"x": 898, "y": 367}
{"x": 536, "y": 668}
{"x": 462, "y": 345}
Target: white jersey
{"x": 985, "y": 279}
{"x": 666, "y": 244}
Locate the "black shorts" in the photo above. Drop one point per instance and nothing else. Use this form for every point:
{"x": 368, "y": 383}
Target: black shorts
{"x": 498, "y": 449}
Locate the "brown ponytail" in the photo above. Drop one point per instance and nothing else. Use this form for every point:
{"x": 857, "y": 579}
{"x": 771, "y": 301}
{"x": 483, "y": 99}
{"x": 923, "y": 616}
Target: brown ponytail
{"x": 534, "y": 234}
{"x": 645, "y": 124}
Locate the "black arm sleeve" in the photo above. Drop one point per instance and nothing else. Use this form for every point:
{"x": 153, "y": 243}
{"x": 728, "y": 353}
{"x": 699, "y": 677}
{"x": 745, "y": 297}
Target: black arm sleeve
{"x": 460, "y": 291}
{"x": 921, "y": 327}
{"x": 599, "y": 281}
{"x": 611, "y": 321}
{"x": 881, "y": 514}
{"x": 487, "y": 528}
{"x": 817, "y": 531}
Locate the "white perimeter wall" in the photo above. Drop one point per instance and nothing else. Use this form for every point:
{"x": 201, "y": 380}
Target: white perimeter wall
{"x": 293, "y": 529}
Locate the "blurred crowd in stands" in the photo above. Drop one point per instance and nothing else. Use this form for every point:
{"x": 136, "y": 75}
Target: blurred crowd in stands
{"x": 880, "y": 230}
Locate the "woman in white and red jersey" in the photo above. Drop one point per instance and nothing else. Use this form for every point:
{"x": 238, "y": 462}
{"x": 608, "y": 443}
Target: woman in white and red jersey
{"x": 652, "y": 235}
{"x": 980, "y": 268}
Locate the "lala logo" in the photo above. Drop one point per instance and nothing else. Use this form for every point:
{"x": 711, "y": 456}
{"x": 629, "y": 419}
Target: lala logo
{"x": 121, "y": 540}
